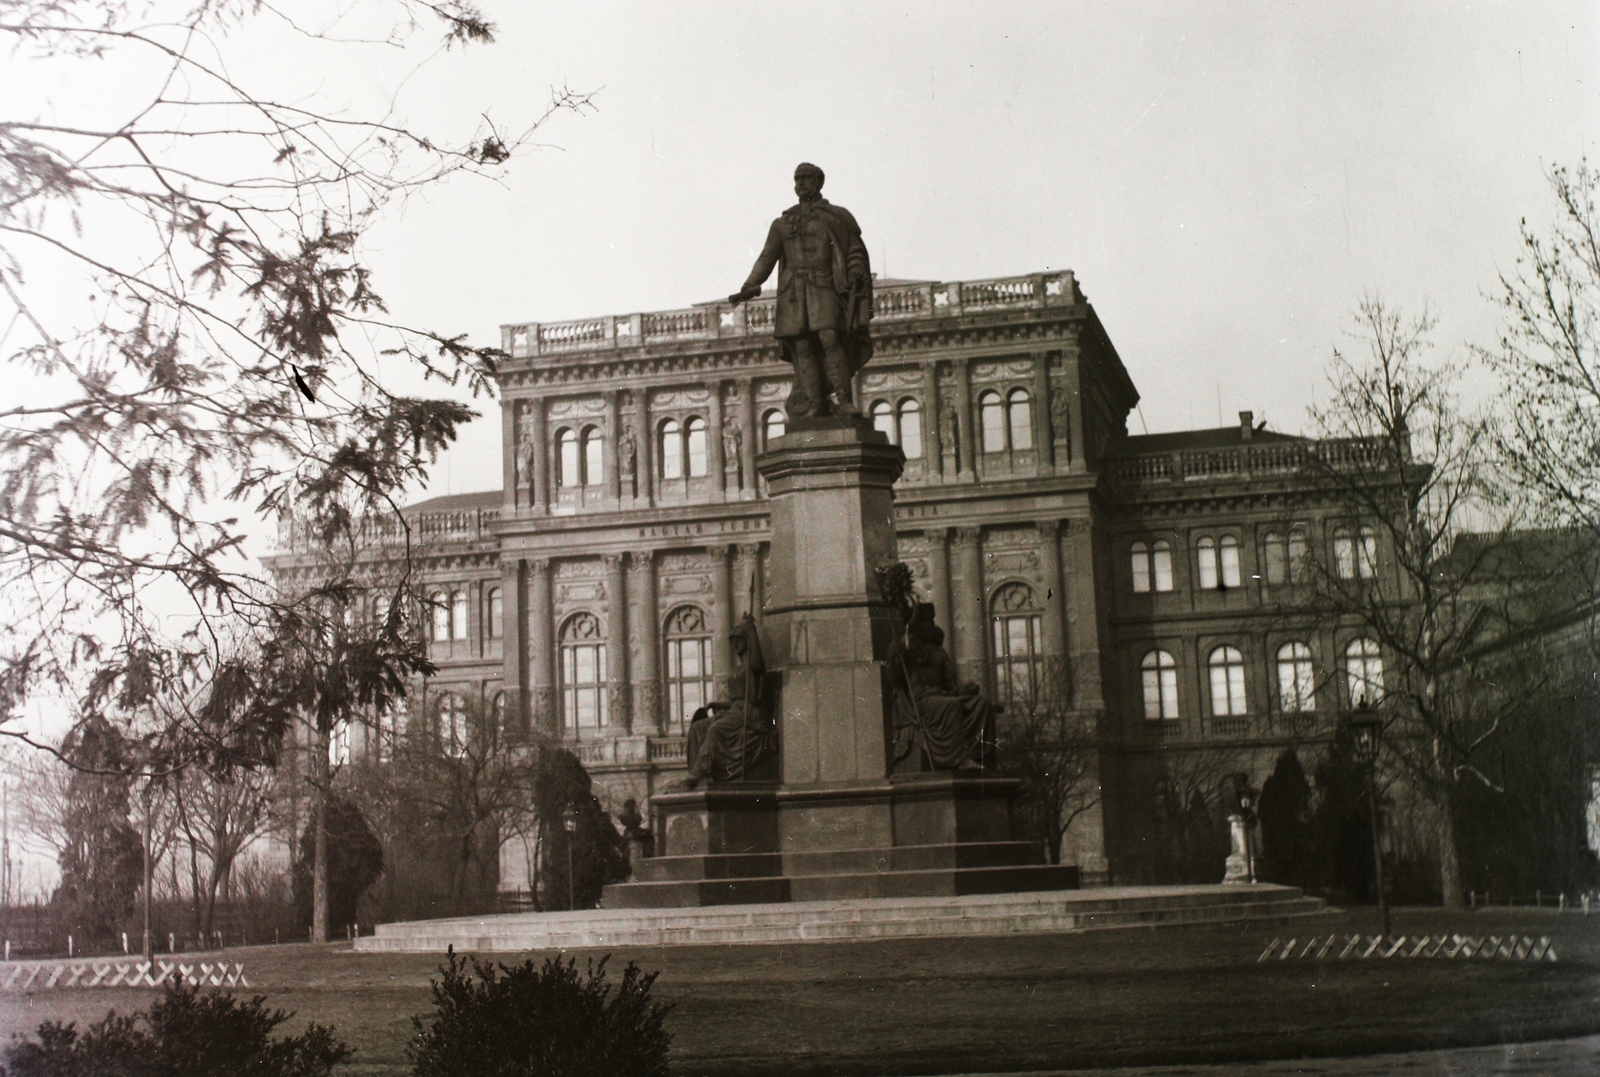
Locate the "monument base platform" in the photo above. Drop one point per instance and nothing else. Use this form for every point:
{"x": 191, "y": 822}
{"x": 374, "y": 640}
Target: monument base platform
{"x": 925, "y": 835}
{"x": 855, "y": 920}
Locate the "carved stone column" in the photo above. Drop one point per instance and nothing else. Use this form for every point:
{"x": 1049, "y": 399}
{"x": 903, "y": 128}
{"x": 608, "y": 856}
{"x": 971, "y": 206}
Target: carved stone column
{"x": 613, "y": 440}
{"x": 618, "y": 696}
{"x": 939, "y": 573}
{"x": 647, "y": 448}
{"x": 646, "y": 645}
{"x": 539, "y": 449}
{"x": 932, "y": 411}
{"x": 966, "y": 456}
{"x": 1054, "y": 620}
{"x": 721, "y": 616}
{"x": 718, "y": 463}
{"x": 514, "y": 644}
{"x": 968, "y": 615}
{"x": 542, "y": 648}
{"x": 1043, "y": 438}
{"x": 747, "y": 447}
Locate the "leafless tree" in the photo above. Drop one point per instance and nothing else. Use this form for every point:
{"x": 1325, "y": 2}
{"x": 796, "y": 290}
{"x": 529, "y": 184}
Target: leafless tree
{"x": 1055, "y": 751}
{"x": 218, "y": 816}
{"x": 1411, "y": 472}
{"x": 228, "y": 354}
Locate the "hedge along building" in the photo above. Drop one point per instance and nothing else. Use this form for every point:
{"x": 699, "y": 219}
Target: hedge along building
{"x": 1139, "y": 586}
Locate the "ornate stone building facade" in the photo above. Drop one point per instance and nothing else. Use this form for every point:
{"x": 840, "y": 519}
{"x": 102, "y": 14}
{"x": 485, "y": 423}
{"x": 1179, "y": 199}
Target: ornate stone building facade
{"x": 1144, "y": 583}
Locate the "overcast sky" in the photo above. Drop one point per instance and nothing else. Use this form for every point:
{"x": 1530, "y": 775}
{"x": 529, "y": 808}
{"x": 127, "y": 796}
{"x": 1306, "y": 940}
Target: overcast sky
{"x": 1225, "y": 180}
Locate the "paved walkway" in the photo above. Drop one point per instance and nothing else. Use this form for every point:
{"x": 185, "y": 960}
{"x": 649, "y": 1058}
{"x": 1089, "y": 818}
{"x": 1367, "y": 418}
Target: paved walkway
{"x": 1548, "y": 1058}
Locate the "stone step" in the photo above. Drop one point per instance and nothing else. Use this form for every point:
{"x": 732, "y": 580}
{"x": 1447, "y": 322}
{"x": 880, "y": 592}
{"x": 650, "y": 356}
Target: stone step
{"x": 1012, "y": 913}
{"x": 682, "y": 893}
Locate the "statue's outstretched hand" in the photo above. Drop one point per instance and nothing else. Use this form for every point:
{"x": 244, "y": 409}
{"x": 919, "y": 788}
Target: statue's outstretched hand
{"x": 747, "y": 293}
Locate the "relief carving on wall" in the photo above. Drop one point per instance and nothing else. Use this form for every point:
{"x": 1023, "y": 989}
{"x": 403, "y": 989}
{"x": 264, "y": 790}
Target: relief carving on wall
{"x": 771, "y": 392}
{"x": 686, "y": 585}
{"x": 582, "y": 407}
{"x": 905, "y": 378}
{"x": 680, "y": 398}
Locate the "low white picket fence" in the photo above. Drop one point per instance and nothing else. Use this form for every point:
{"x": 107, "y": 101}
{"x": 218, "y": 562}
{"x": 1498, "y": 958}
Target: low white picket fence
{"x": 1458, "y": 947}
{"x": 34, "y": 976}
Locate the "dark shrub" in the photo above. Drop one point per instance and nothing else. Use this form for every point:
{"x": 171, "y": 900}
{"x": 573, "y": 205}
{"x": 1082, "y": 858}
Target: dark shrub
{"x": 541, "y": 1022}
{"x": 206, "y": 1035}
{"x": 599, "y": 855}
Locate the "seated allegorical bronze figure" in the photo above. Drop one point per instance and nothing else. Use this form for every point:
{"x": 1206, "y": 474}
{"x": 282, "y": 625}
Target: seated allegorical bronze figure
{"x": 729, "y": 738}
{"x": 939, "y": 723}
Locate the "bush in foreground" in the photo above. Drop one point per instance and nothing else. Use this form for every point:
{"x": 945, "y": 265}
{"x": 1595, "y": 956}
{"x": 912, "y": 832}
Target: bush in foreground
{"x": 185, "y": 1032}
{"x": 541, "y": 1022}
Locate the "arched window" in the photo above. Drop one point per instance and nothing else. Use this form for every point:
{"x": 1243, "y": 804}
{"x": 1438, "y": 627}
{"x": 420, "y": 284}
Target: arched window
{"x": 1141, "y": 568}
{"x": 1206, "y": 555}
{"x": 689, "y": 675}
{"x": 1160, "y": 676}
{"x": 1275, "y": 558}
{"x": 495, "y": 611}
{"x": 1299, "y": 555}
{"x": 458, "y": 615}
{"x": 1018, "y": 648}
{"x": 380, "y": 610}
{"x": 1227, "y": 682}
{"x": 1363, "y": 667}
{"x": 1161, "y": 564}
{"x": 439, "y": 616}
{"x": 1019, "y": 413}
{"x": 568, "y": 475}
{"x": 497, "y": 713}
{"x": 583, "y": 664}
{"x": 452, "y": 724}
{"x": 911, "y": 428}
{"x": 1297, "y": 684}
{"x": 697, "y": 447}
{"x": 388, "y": 730}
{"x": 1228, "y": 549}
{"x": 1367, "y": 552}
{"x": 1344, "y": 554}
{"x": 993, "y": 415}
{"x": 773, "y": 424}
{"x": 671, "y": 450}
{"x": 594, "y": 468}
{"x": 883, "y": 420}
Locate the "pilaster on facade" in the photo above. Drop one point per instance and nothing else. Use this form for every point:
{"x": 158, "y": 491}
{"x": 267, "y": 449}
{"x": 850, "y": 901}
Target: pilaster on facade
{"x": 967, "y": 616}
{"x": 648, "y": 714}
{"x": 541, "y": 646}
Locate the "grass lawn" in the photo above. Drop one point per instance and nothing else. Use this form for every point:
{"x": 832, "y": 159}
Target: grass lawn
{"x": 929, "y": 1006}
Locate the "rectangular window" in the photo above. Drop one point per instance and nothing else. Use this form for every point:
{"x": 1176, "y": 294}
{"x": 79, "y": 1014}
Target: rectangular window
{"x": 1162, "y": 560}
{"x": 583, "y": 691}
{"x": 688, "y": 678}
{"x": 1160, "y": 693}
{"x": 1017, "y": 651}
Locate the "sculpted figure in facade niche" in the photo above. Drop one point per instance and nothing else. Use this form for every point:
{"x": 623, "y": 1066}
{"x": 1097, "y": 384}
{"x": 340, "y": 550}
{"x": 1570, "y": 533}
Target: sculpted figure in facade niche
{"x": 1058, "y": 414}
{"x": 824, "y": 297}
{"x": 730, "y": 740}
{"x": 731, "y": 441}
{"x": 628, "y": 456}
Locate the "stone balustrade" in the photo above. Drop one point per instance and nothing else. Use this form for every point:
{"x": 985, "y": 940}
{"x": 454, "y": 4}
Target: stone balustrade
{"x": 1251, "y": 461}
{"x": 712, "y": 321}
{"x": 464, "y": 525}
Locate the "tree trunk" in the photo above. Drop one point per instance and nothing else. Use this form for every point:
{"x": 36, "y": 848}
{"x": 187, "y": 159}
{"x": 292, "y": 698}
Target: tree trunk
{"x": 319, "y": 853}
{"x": 1449, "y": 853}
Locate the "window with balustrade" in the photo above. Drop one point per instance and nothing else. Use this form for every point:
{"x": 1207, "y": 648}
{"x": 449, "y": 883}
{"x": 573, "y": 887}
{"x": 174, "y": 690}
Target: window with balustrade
{"x": 901, "y": 423}
{"x": 593, "y": 456}
{"x": 451, "y": 724}
{"x": 1019, "y": 418}
{"x": 1297, "y": 682}
{"x": 569, "y": 471}
{"x": 583, "y": 664}
{"x": 494, "y": 613}
{"x": 696, "y": 447}
{"x": 1018, "y": 646}
{"x": 670, "y": 449}
{"x": 773, "y": 424}
{"x": 689, "y": 673}
{"x": 1226, "y": 666}
{"x": 1159, "y": 676}
{"x": 1005, "y": 422}
{"x": 1363, "y": 669}
{"x": 1355, "y": 552}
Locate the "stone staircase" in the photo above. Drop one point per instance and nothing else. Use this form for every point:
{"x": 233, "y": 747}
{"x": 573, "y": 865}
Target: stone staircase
{"x": 854, "y": 920}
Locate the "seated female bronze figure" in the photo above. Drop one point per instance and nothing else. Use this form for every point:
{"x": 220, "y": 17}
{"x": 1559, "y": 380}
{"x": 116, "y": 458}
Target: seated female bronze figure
{"x": 939, "y": 723}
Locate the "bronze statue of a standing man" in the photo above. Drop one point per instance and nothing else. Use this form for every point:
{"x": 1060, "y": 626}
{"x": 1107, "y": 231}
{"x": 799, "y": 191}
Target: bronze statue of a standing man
{"x": 824, "y": 297}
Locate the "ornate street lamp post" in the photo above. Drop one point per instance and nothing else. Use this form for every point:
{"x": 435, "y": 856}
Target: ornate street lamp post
{"x": 569, "y": 823}
{"x": 1366, "y": 733}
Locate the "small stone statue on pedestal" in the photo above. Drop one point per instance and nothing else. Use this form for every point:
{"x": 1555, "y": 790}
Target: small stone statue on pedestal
{"x": 729, "y": 738}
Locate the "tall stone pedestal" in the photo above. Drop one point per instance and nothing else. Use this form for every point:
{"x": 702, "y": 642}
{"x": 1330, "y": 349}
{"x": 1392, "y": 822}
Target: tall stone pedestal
{"x": 835, "y": 825}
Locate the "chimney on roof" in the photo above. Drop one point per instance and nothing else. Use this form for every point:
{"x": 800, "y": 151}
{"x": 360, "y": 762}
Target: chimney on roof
{"x": 1246, "y": 427}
